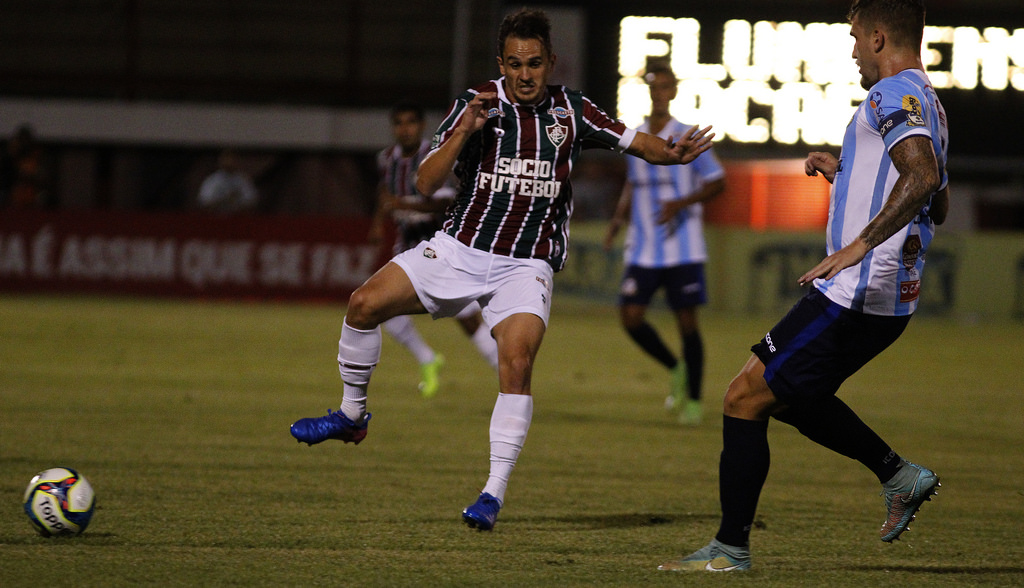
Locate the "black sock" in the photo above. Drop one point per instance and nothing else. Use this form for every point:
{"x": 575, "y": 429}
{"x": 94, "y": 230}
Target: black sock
{"x": 833, "y": 424}
{"x": 742, "y": 470}
{"x": 693, "y": 355}
{"x": 647, "y": 338}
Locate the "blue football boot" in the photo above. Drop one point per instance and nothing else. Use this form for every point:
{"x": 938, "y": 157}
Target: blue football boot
{"x": 335, "y": 425}
{"x": 483, "y": 513}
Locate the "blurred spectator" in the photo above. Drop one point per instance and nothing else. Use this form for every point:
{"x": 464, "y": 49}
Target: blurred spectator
{"x": 229, "y": 189}
{"x": 23, "y": 171}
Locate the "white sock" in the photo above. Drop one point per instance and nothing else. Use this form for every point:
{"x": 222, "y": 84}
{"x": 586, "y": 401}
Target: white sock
{"x": 404, "y": 331}
{"x": 509, "y": 423}
{"x": 358, "y": 354}
{"x": 486, "y": 344}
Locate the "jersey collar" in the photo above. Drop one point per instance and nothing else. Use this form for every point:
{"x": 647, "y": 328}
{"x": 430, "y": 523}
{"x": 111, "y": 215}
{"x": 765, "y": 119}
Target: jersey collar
{"x": 547, "y": 101}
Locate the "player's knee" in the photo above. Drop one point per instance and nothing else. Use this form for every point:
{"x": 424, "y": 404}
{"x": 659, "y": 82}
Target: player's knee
{"x": 632, "y": 325}
{"x": 631, "y": 319}
{"x": 748, "y": 397}
{"x": 734, "y": 397}
{"x": 363, "y": 311}
{"x": 516, "y": 372}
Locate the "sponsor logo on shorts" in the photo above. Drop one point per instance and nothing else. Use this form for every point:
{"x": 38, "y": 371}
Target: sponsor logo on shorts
{"x": 542, "y": 281}
{"x": 429, "y": 253}
{"x": 629, "y": 287}
{"x": 768, "y": 340}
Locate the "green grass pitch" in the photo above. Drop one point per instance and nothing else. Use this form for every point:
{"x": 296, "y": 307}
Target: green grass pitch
{"x": 178, "y": 413}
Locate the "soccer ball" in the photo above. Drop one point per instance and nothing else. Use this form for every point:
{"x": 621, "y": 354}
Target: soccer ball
{"x": 59, "y": 501}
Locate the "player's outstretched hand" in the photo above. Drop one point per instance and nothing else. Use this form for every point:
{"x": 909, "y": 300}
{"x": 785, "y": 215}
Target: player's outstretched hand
{"x": 848, "y": 256}
{"x": 694, "y": 142}
{"x": 820, "y": 161}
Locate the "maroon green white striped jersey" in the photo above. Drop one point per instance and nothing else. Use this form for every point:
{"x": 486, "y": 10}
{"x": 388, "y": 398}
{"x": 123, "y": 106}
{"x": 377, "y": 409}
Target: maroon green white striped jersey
{"x": 514, "y": 197}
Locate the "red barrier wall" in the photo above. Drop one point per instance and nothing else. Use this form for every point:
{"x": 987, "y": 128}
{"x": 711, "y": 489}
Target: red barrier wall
{"x": 182, "y": 254}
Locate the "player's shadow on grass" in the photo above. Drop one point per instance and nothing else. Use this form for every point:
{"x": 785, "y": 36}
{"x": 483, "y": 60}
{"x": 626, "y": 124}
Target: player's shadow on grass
{"x": 618, "y": 520}
{"x": 576, "y": 418}
{"x": 940, "y": 570}
{"x": 30, "y": 537}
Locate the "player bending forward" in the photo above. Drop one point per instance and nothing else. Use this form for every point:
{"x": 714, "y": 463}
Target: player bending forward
{"x": 512, "y": 143}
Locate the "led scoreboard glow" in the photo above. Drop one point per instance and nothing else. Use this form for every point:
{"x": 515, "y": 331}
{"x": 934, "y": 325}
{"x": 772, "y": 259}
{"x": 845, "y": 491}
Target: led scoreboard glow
{"x": 788, "y": 81}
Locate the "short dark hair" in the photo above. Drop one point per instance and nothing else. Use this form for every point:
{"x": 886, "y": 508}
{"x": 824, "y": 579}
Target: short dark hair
{"x": 659, "y": 68}
{"x": 407, "y": 106}
{"x": 903, "y": 20}
{"x": 525, "y": 23}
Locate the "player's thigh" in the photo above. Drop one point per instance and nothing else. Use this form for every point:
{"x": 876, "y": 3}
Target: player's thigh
{"x": 639, "y": 285}
{"x": 446, "y": 275}
{"x": 518, "y": 337}
{"x": 748, "y": 396}
{"x": 685, "y": 286}
{"x": 517, "y": 286}
{"x": 812, "y": 350}
{"x": 387, "y": 293}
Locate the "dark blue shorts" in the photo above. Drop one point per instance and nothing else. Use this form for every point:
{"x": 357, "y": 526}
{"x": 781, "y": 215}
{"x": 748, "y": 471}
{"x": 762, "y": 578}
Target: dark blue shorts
{"x": 684, "y": 285}
{"x": 819, "y": 344}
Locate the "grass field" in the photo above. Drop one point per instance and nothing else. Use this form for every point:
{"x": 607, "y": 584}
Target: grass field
{"x": 178, "y": 413}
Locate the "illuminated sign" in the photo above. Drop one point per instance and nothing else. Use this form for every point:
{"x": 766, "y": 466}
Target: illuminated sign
{"x": 788, "y": 81}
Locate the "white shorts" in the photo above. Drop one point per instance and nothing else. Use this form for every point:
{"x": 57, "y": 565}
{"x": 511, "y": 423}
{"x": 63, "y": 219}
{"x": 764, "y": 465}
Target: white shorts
{"x": 448, "y": 276}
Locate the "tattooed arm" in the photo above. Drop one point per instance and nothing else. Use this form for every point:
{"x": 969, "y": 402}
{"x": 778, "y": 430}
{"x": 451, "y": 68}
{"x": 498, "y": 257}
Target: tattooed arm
{"x": 914, "y": 159}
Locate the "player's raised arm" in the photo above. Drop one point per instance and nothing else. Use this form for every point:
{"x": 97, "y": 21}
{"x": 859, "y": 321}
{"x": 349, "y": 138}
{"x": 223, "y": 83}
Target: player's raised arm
{"x": 654, "y": 149}
{"x": 435, "y": 169}
{"x": 914, "y": 158}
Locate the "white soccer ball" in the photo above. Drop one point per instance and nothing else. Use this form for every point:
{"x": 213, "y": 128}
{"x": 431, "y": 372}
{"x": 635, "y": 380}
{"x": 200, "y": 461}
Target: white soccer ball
{"x": 59, "y": 501}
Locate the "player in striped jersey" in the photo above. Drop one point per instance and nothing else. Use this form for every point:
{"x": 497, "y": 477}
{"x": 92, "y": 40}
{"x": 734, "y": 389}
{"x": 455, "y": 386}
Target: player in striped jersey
{"x": 665, "y": 248}
{"x": 889, "y": 190}
{"x": 512, "y": 143}
{"x": 418, "y": 217}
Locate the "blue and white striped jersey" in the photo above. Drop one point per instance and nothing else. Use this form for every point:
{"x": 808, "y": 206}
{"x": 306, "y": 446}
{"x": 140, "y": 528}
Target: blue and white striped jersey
{"x": 887, "y": 282}
{"x": 681, "y": 240}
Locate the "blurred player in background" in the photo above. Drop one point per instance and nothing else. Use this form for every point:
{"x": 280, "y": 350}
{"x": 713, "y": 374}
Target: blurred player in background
{"x": 229, "y": 189}
{"x": 665, "y": 248}
{"x": 889, "y": 190}
{"x": 418, "y": 217}
{"x": 24, "y": 171}
{"x": 512, "y": 143}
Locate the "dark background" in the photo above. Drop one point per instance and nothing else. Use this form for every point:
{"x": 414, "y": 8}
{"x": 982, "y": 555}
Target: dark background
{"x": 360, "y": 54}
